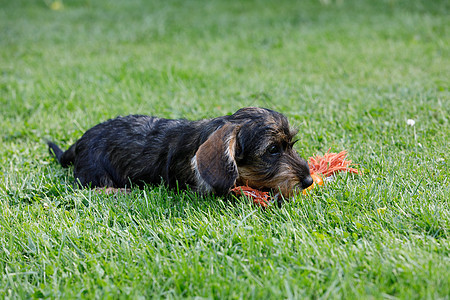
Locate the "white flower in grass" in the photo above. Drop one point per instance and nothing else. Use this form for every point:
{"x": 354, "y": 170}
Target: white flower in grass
{"x": 410, "y": 122}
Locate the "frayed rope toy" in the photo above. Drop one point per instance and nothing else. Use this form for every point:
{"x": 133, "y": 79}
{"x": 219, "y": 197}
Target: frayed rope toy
{"x": 320, "y": 166}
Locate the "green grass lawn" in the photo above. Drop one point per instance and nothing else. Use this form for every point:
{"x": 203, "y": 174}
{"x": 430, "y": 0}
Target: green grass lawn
{"x": 347, "y": 73}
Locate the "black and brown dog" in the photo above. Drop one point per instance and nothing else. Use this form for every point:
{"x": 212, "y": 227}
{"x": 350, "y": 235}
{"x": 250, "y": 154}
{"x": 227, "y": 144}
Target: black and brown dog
{"x": 251, "y": 147}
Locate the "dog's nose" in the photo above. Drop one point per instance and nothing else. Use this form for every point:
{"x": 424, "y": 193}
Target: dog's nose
{"x": 307, "y": 182}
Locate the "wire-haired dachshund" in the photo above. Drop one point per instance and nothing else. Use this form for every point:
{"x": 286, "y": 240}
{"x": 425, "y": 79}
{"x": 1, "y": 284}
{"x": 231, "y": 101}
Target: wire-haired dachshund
{"x": 253, "y": 147}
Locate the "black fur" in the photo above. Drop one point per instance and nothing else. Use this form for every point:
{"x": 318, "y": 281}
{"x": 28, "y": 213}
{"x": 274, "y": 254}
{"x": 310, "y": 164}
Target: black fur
{"x": 141, "y": 149}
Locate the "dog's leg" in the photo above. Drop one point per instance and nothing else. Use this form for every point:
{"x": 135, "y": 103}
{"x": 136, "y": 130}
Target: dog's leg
{"x": 111, "y": 190}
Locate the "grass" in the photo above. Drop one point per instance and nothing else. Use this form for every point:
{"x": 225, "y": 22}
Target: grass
{"x": 348, "y": 74}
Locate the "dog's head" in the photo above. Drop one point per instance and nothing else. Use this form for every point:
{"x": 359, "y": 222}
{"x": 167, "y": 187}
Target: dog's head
{"x": 254, "y": 148}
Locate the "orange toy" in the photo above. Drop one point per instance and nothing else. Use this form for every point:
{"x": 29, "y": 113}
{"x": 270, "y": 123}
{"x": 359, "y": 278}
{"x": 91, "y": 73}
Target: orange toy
{"x": 331, "y": 163}
{"x": 259, "y": 197}
{"x": 327, "y": 165}
{"x": 320, "y": 167}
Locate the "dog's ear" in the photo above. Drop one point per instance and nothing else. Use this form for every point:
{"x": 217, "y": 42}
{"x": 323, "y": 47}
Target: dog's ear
{"x": 214, "y": 163}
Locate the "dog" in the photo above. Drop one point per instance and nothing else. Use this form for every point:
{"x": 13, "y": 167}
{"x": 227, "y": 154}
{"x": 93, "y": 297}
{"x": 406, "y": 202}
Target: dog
{"x": 253, "y": 146}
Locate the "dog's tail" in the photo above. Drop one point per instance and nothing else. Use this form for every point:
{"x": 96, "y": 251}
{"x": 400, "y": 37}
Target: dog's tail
{"x": 65, "y": 158}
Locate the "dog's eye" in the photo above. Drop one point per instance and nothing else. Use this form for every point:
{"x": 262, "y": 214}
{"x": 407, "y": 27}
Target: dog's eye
{"x": 274, "y": 149}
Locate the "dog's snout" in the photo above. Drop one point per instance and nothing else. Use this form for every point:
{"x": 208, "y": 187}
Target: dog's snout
{"x": 307, "y": 182}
